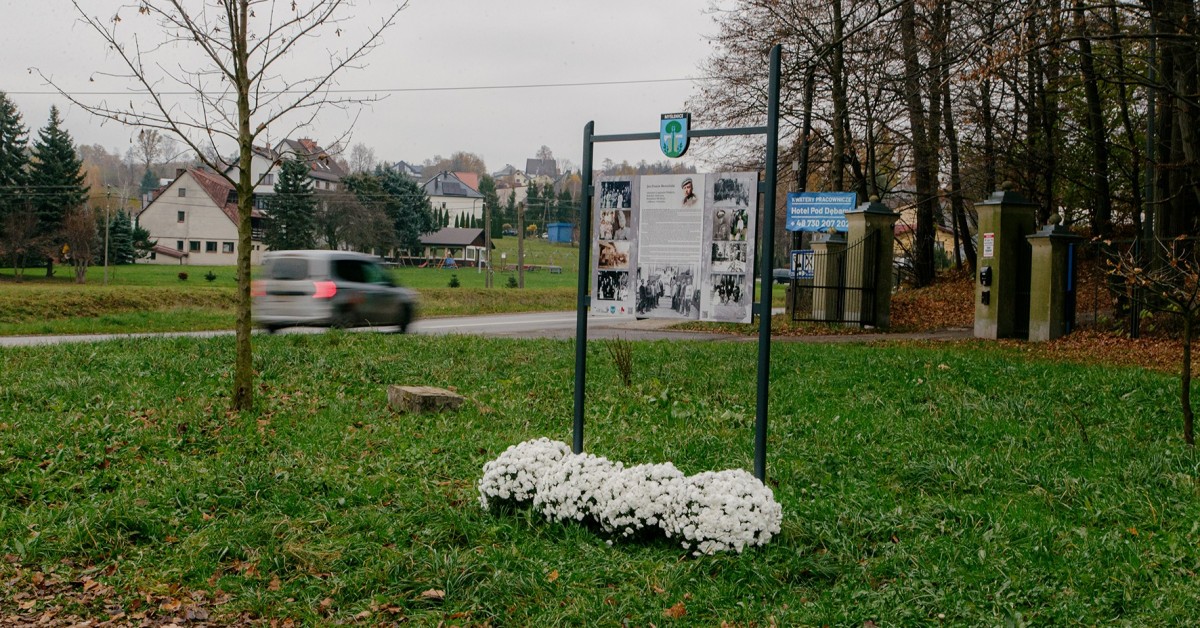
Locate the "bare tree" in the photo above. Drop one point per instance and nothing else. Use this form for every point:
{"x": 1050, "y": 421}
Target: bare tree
{"x": 239, "y": 87}
{"x": 20, "y": 225}
{"x": 79, "y": 230}
{"x": 1172, "y": 287}
{"x": 362, "y": 158}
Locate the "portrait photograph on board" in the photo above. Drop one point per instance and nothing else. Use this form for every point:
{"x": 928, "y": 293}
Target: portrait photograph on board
{"x": 612, "y": 285}
{"x": 613, "y": 256}
{"x": 615, "y": 224}
{"x": 616, "y": 194}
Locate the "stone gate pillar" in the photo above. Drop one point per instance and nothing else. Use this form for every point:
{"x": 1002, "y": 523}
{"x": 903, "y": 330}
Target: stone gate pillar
{"x": 1004, "y": 260}
{"x": 869, "y": 218}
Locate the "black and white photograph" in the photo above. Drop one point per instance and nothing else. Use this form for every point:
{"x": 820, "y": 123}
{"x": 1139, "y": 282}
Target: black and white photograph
{"x": 613, "y": 256}
{"x": 728, "y": 190}
{"x": 728, "y": 257}
{"x": 728, "y": 298}
{"x": 739, "y": 225}
{"x": 616, "y": 194}
{"x": 612, "y": 285}
{"x": 722, "y": 224}
{"x": 668, "y": 291}
{"x": 615, "y": 224}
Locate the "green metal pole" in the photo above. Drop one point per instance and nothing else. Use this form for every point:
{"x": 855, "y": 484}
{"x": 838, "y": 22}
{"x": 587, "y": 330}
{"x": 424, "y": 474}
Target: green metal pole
{"x": 765, "y": 274}
{"x": 585, "y": 274}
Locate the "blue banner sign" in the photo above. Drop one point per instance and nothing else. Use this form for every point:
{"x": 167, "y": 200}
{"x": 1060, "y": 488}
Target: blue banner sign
{"x": 818, "y": 211}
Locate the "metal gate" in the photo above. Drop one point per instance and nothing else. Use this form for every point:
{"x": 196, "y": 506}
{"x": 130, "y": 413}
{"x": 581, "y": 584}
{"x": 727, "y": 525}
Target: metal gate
{"x": 837, "y": 286}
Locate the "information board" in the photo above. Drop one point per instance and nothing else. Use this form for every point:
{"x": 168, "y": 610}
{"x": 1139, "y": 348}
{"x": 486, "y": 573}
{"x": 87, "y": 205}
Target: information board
{"x": 818, "y": 211}
{"x": 675, "y": 246}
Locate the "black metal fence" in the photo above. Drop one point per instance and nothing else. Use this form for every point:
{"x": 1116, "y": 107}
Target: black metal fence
{"x": 837, "y": 286}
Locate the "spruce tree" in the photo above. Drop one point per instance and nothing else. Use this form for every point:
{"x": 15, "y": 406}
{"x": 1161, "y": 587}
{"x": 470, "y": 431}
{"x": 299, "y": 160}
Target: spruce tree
{"x": 120, "y": 239}
{"x": 14, "y": 162}
{"x": 291, "y": 218}
{"x": 149, "y": 182}
{"x": 57, "y": 180}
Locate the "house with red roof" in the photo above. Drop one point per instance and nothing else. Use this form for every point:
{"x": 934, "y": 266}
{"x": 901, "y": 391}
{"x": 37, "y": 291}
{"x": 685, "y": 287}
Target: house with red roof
{"x": 194, "y": 221}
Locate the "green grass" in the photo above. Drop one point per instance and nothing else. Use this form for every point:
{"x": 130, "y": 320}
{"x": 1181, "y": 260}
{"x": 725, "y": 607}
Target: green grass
{"x": 152, "y": 298}
{"x": 958, "y": 485}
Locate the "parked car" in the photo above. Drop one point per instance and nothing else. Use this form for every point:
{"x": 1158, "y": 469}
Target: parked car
{"x": 329, "y": 289}
{"x": 783, "y": 275}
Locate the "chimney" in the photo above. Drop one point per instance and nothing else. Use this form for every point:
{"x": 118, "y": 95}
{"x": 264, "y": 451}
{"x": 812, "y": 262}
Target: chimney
{"x": 179, "y": 172}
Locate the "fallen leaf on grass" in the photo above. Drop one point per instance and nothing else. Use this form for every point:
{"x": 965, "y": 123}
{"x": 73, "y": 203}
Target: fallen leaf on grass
{"x": 274, "y": 584}
{"x": 675, "y": 612}
{"x": 433, "y": 595}
{"x": 658, "y": 590}
{"x": 552, "y": 576}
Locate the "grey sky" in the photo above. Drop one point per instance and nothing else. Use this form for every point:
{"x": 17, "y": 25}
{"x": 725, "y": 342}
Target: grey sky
{"x": 435, "y": 44}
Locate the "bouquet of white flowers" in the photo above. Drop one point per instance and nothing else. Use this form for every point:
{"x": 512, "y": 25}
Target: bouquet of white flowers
{"x": 707, "y": 513}
{"x": 512, "y": 477}
{"x": 573, "y": 489}
{"x": 639, "y": 498}
{"x": 723, "y": 510}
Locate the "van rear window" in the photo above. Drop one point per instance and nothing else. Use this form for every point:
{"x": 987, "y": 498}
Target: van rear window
{"x": 287, "y": 268}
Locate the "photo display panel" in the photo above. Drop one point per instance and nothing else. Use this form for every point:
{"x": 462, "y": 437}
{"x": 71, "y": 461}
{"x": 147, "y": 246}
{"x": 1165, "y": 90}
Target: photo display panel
{"x": 675, "y": 246}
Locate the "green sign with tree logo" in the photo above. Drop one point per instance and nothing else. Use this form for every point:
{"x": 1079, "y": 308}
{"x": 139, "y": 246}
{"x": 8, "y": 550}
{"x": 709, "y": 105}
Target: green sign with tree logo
{"x": 673, "y": 133}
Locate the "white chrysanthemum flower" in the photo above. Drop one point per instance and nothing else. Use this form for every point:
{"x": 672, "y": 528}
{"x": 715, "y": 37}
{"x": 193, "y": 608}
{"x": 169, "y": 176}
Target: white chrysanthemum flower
{"x": 725, "y": 510}
{"x": 573, "y": 488}
{"x": 512, "y": 477}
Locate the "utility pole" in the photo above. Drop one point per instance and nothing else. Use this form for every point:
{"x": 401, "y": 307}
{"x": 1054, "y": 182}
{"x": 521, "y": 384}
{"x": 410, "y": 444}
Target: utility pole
{"x": 107, "y": 223}
{"x": 521, "y": 245}
{"x": 487, "y": 244}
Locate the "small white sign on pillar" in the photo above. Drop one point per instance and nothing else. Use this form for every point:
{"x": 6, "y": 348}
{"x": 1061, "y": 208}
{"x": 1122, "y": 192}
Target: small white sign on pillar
{"x": 989, "y": 245}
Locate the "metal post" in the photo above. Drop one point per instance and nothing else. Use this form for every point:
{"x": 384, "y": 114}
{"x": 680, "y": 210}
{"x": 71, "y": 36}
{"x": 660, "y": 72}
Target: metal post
{"x": 584, "y": 283}
{"x": 766, "y": 275}
{"x": 107, "y": 223}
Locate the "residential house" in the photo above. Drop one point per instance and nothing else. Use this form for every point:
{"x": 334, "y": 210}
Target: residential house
{"x": 467, "y": 247}
{"x": 541, "y": 171}
{"x": 194, "y": 220}
{"x": 509, "y": 176}
{"x": 452, "y": 192}
{"x": 405, "y": 169}
{"x": 906, "y": 233}
{"x": 326, "y": 172}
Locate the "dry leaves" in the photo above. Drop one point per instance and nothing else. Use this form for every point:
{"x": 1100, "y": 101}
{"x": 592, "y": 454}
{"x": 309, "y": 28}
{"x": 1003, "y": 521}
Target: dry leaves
{"x": 675, "y": 612}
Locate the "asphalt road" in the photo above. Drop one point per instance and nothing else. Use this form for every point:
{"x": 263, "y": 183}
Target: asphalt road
{"x": 528, "y": 325}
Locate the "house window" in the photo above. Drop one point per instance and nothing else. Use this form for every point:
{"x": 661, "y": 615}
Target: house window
{"x": 226, "y": 247}
{"x": 182, "y": 192}
{"x": 333, "y": 186}
{"x": 179, "y": 216}
{"x": 179, "y": 245}
{"x": 269, "y": 179}
{"x": 194, "y": 246}
{"x": 210, "y": 247}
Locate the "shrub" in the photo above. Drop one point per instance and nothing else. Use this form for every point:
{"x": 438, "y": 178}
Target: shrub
{"x": 513, "y": 476}
{"x": 210, "y": 276}
{"x": 182, "y": 276}
{"x": 454, "y": 283}
{"x": 512, "y": 282}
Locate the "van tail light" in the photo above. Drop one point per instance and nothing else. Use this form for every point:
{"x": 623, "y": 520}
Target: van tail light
{"x": 324, "y": 289}
{"x": 257, "y": 289}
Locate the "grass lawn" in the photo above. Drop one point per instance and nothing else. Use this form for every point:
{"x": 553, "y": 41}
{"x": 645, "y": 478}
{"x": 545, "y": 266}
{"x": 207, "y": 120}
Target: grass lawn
{"x": 953, "y": 484}
{"x": 152, "y": 298}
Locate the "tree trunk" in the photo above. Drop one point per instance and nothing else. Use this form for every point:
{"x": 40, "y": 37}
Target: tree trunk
{"x": 837, "y": 77}
{"x": 924, "y": 180}
{"x": 1185, "y": 393}
{"x": 243, "y": 371}
{"x": 1102, "y": 225}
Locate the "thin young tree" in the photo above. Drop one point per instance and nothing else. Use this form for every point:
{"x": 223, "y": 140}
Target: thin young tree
{"x": 242, "y": 87}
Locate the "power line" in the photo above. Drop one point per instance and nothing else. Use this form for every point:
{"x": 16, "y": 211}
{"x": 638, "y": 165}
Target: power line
{"x": 392, "y": 90}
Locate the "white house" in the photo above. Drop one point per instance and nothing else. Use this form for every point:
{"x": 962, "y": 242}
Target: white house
{"x": 194, "y": 220}
{"x": 453, "y": 192}
{"x": 325, "y": 172}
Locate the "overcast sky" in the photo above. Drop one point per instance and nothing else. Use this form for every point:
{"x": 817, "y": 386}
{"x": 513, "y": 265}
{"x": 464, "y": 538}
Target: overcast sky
{"x": 435, "y": 44}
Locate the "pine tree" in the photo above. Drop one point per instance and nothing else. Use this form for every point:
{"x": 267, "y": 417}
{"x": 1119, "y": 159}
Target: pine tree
{"x": 292, "y": 209}
{"x": 120, "y": 239}
{"x": 149, "y": 183}
{"x": 58, "y": 182}
{"x": 510, "y": 210}
{"x": 14, "y": 162}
